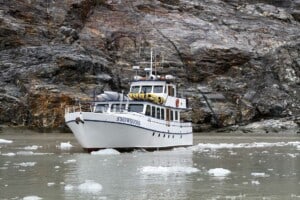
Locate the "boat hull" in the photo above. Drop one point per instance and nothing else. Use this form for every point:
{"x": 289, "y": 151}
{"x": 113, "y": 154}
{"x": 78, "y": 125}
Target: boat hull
{"x": 97, "y": 131}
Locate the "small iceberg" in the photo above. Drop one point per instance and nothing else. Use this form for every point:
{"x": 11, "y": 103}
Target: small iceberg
{"x": 65, "y": 146}
{"x": 219, "y": 172}
{"x": 32, "y": 198}
{"x": 90, "y": 187}
{"x": 3, "y": 141}
{"x": 105, "y": 152}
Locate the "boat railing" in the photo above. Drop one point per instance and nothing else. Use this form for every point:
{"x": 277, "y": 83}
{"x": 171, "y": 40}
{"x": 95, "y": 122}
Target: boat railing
{"x": 79, "y": 108}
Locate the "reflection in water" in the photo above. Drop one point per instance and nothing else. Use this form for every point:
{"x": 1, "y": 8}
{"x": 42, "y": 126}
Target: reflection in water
{"x": 137, "y": 175}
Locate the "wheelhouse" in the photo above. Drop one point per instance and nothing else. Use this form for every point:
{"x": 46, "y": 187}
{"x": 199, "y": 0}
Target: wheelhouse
{"x": 157, "y": 87}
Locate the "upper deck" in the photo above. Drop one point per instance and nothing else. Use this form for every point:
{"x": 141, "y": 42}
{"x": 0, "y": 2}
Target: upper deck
{"x": 158, "y": 91}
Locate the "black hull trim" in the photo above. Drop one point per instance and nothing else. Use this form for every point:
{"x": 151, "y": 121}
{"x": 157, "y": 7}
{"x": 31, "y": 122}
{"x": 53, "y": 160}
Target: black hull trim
{"x": 130, "y": 149}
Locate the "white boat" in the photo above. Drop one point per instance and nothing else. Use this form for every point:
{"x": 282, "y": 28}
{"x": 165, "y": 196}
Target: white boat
{"x": 148, "y": 117}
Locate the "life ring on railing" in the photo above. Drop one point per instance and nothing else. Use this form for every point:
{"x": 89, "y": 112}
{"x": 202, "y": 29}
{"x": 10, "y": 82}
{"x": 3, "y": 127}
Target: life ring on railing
{"x": 177, "y": 103}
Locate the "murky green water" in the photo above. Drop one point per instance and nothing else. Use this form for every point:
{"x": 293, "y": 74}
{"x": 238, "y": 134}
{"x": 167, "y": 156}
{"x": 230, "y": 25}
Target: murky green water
{"x": 218, "y": 167}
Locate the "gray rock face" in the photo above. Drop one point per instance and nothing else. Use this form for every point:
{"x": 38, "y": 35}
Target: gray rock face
{"x": 245, "y": 52}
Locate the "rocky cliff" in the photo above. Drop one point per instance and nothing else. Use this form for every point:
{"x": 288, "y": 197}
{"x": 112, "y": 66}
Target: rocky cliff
{"x": 237, "y": 61}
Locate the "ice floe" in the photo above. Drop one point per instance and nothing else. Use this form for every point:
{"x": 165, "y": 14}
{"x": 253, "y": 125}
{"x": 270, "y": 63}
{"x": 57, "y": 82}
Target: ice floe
{"x": 168, "y": 170}
{"x": 259, "y": 174}
{"x": 105, "y": 152}
{"x": 219, "y": 172}
{"x": 65, "y": 146}
{"x": 216, "y": 146}
{"x": 70, "y": 161}
{"x": 69, "y": 187}
{"x": 31, "y": 153}
{"x": 8, "y": 154}
{"x": 90, "y": 187}
{"x": 32, "y": 198}
{"x": 26, "y": 164}
{"x": 5, "y": 141}
{"x": 33, "y": 147}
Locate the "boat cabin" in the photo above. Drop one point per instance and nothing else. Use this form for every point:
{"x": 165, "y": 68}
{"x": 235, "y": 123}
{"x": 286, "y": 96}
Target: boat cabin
{"x": 145, "y": 108}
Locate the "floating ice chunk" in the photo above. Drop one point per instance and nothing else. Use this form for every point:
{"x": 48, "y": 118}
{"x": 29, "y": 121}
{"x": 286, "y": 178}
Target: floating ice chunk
{"x": 5, "y": 141}
{"x": 32, "y": 198}
{"x": 255, "y": 182}
{"x": 69, "y": 187}
{"x": 33, "y": 147}
{"x": 90, "y": 187}
{"x": 50, "y": 184}
{"x": 26, "y": 164}
{"x": 168, "y": 170}
{"x": 65, "y": 146}
{"x": 25, "y": 153}
{"x": 105, "y": 152}
{"x": 259, "y": 174}
{"x": 70, "y": 161}
{"x": 293, "y": 155}
{"x": 8, "y": 154}
{"x": 219, "y": 172}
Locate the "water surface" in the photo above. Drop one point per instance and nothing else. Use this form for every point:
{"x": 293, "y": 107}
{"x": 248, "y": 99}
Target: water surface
{"x": 217, "y": 167}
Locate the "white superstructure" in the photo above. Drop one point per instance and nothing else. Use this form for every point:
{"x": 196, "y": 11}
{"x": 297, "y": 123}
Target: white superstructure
{"x": 148, "y": 117}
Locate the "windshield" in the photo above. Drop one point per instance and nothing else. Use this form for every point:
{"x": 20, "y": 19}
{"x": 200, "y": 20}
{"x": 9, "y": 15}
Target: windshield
{"x": 146, "y": 89}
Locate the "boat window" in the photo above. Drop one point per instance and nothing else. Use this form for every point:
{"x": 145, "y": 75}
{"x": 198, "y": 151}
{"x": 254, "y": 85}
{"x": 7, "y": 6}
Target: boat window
{"x": 148, "y": 110}
{"x": 158, "y": 89}
{"x": 171, "y": 115}
{"x": 176, "y": 115}
{"x": 158, "y": 112}
{"x": 135, "y": 89}
{"x": 101, "y": 108}
{"x": 162, "y": 113}
{"x": 146, "y": 89}
{"x": 117, "y": 107}
{"x": 153, "y": 111}
{"x": 135, "y": 108}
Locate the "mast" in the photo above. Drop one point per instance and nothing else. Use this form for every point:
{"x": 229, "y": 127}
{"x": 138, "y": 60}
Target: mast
{"x": 151, "y": 64}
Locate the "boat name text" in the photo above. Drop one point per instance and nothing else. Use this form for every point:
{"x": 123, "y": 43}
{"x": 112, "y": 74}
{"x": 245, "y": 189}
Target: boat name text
{"x": 129, "y": 121}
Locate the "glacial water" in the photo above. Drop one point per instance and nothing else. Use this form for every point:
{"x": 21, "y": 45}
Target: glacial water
{"x": 53, "y": 166}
